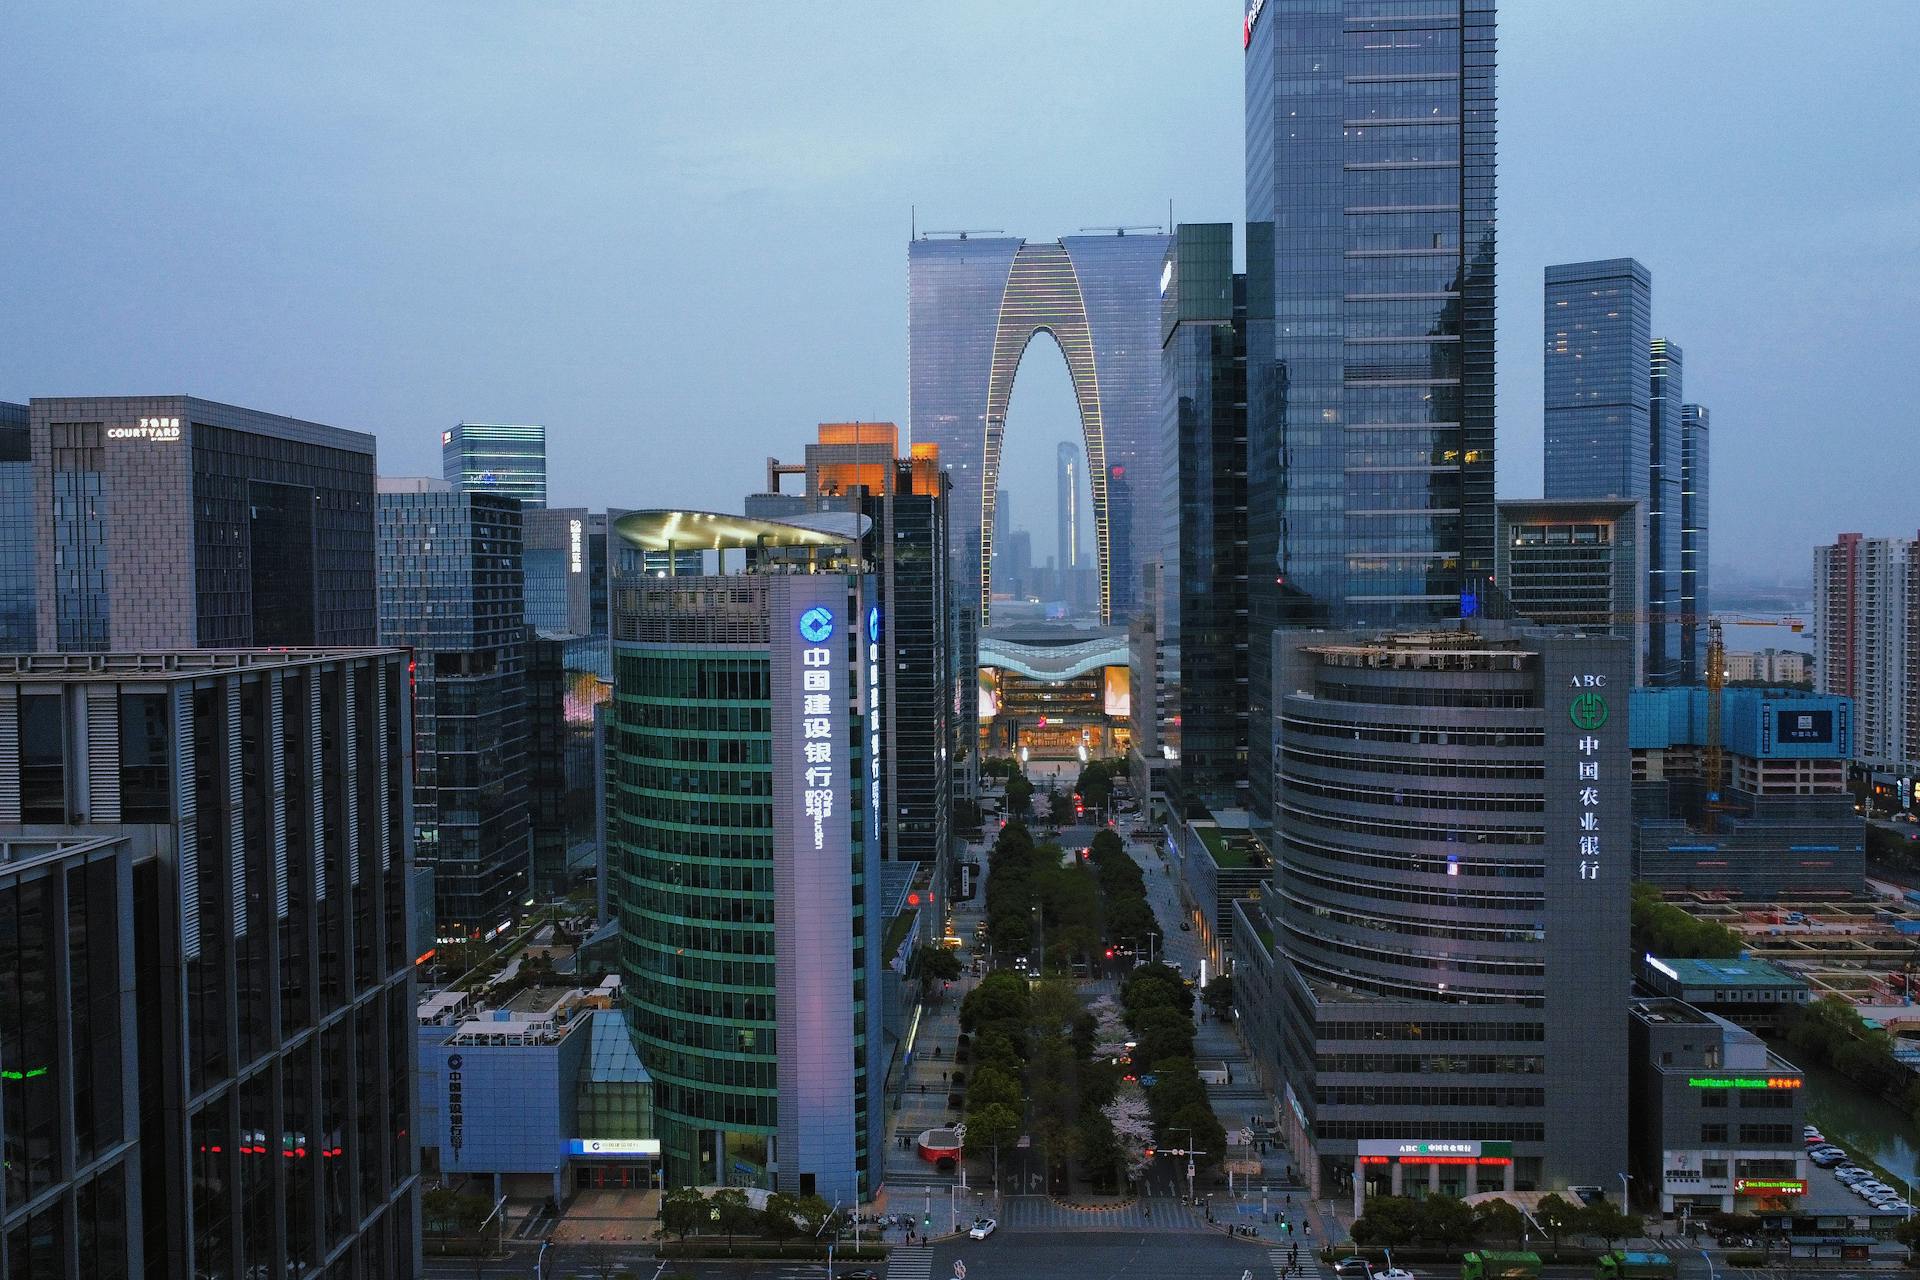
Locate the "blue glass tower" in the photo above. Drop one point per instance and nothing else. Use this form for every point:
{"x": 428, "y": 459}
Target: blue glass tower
{"x": 1599, "y": 330}
{"x": 1370, "y": 264}
{"x": 973, "y": 307}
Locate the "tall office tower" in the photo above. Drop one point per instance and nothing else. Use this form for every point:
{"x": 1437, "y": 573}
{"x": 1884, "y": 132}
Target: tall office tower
{"x": 1666, "y": 655}
{"x": 1575, "y": 563}
{"x": 450, "y": 589}
{"x": 564, "y": 689}
{"x": 1066, "y": 522}
{"x": 1454, "y": 853}
{"x": 497, "y": 457}
{"x": 567, "y": 573}
{"x": 1017, "y": 563}
{"x": 208, "y": 1014}
{"x": 1370, "y": 275}
{"x": 1864, "y": 613}
{"x": 1695, "y": 603}
{"x": 17, "y": 613}
{"x": 742, "y": 794}
{"x": 166, "y": 522}
{"x": 857, "y": 467}
{"x": 1203, "y": 418}
{"x": 974, "y": 305}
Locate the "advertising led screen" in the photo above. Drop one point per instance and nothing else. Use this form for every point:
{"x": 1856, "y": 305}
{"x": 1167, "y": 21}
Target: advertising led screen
{"x": 1803, "y": 726}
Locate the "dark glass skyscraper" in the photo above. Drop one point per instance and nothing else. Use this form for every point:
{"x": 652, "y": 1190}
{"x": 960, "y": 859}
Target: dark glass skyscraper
{"x": 1203, "y": 612}
{"x": 1666, "y": 662}
{"x": 450, "y": 589}
{"x": 16, "y": 530}
{"x": 1695, "y": 602}
{"x": 974, "y": 304}
{"x": 497, "y": 457}
{"x": 1370, "y": 265}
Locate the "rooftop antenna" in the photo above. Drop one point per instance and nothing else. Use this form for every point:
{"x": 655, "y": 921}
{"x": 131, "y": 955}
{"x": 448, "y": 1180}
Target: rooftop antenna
{"x": 970, "y": 231}
{"x": 1120, "y": 231}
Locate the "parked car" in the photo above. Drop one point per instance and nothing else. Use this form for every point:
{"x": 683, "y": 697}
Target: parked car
{"x": 1732, "y": 1241}
{"x": 1850, "y": 1173}
{"x": 981, "y": 1228}
{"x": 1826, "y": 1159}
{"x": 1353, "y": 1269}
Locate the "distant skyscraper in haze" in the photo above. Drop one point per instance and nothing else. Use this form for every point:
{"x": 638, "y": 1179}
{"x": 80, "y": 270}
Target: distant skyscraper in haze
{"x": 497, "y": 457}
{"x": 1866, "y": 618}
{"x": 451, "y": 590}
{"x": 1066, "y": 519}
{"x": 1666, "y": 663}
{"x": 1370, "y": 354}
{"x": 167, "y": 522}
{"x": 974, "y": 305}
{"x": 1695, "y": 603}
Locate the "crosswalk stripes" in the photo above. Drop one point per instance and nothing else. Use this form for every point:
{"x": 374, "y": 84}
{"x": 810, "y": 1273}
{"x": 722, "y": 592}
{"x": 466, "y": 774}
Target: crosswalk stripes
{"x": 1307, "y": 1266}
{"x": 910, "y": 1262}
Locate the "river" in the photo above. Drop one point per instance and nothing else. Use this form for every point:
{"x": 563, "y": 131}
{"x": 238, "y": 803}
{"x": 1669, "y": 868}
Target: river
{"x": 1860, "y": 1121}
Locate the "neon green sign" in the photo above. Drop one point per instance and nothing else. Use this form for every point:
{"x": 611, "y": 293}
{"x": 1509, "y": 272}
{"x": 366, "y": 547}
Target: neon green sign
{"x": 1743, "y": 1082}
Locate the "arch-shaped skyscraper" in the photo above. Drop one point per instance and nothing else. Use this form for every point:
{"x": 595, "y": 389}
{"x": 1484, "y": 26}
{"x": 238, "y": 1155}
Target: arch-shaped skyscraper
{"x": 974, "y": 307}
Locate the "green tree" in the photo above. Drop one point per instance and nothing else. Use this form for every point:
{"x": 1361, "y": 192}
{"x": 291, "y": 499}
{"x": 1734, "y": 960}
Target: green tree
{"x": 1498, "y": 1221}
{"x": 990, "y": 1130}
{"x": 1019, "y": 796}
{"x": 1209, "y": 1137}
{"x": 683, "y": 1211}
{"x": 929, "y": 965}
{"x": 781, "y": 1218}
{"x": 1608, "y": 1221}
{"x": 1557, "y": 1216}
{"x": 1219, "y": 996}
{"x": 1162, "y": 1032}
{"x": 735, "y": 1212}
{"x": 1388, "y": 1221}
{"x": 1443, "y": 1220}
{"x": 990, "y": 1086}
{"x": 999, "y": 997}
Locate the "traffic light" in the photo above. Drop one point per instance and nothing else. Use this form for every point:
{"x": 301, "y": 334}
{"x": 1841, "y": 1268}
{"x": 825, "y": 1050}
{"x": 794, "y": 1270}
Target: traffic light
{"x": 1286, "y": 1226}
{"x": 1109, "y": 953}
{"x": 1149, "y": 1153}
{"x": 927, "y": 1221}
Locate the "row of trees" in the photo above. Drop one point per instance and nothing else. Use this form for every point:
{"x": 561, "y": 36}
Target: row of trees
{"x": 1127, "y": 918}
{"x": 1158, "y": 1007}
{"x": 1029, "y": 887}
{"x": 1446, "y": 1221}
{"x": 1829, "y": 1031}
{"x": 685, "y": 1211}
{"x": 1662, "y": 929}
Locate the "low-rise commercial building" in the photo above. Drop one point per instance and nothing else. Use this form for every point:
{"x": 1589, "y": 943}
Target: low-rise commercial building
{"x": 1219, "y": 865}
{"x": 1755, "y": 994}
{"x": 1779, "y": 822}
{"x": 1716, "y": 1115}
{"x": 541, "y": 1096}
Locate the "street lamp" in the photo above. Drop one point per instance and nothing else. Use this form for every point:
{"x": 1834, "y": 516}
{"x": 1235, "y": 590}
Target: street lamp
{"x": 1189, "y": 1154}
{"x": 824, "y": 1223}
{"x": 1625, "y": 1206}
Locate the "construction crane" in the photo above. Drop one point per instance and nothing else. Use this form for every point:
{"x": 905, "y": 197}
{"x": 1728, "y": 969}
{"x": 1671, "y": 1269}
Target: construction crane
{"x": 1120, "y": 231}
{"x": 970, "y": 231}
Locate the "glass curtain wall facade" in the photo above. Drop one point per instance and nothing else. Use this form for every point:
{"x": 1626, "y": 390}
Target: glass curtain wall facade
{"x": 974, "y": 306}
{"x": 1695, "y": 602}
{"x": 1666, "y": 652}
{"x": 509, "y": 459}
{"x": 1370, "y": 262}
{"x": 17, "y": 543}
{"x": 1203, "y": 387}
{"x": 450, "y": 589}
{"x": 247, "y": 948}
{"x": 748, "y": 903}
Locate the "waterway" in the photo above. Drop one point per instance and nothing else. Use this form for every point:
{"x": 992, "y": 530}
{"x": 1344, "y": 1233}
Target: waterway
{"x": 1862, "y": 1122}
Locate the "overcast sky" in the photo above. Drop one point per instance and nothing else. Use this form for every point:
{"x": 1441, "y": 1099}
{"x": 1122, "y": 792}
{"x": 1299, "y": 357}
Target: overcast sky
{"x": 676, "y": 233}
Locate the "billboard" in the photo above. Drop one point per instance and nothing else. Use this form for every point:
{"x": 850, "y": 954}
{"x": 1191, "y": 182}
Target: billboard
{"x": 1805, "y": 727}
{"x": 989, "y": 693}
{"x": 1119, "y": 691}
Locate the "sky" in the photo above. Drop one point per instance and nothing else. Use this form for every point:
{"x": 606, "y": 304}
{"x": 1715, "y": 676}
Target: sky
{"x": 676, "y": 233}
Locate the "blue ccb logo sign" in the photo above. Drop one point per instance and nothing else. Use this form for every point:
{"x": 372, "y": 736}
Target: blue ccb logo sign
{"x": 816, "y": 625}
{"x": 873, "y": 625}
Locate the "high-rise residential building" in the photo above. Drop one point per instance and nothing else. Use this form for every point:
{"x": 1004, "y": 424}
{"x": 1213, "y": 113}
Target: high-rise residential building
{"x": 857, "y": 467}
{"x": 974, "y": 305}
{"x": 1866, "y": 616}
{"x": 744, "y": 789}
{"x": 1769, "y": 666}
{"x": 1370, "y": 352}
{"x": 208, "y": 1018}
{"x": 450, "y": 590}
{"x": 1575, "y": 562}
{"x": 1202, "y": 690}
{"x": 17, "y": 572}
{"x": 166, "y": 522}
{"x": 1695, "y": 602}
{"x": 497, "y": 457}
{"x": 1443, "y": 955}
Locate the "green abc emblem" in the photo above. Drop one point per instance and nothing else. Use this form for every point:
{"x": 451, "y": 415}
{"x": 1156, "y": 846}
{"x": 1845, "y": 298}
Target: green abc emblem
{"x": 1589, "y": 711}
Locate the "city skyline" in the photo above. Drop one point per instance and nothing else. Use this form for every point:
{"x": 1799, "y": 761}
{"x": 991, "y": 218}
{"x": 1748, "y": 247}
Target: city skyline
{"x": 347, "y": 292}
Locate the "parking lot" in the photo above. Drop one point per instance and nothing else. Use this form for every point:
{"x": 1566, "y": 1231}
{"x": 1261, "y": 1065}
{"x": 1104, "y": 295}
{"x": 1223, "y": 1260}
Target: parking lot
{"x": 1829, "y": 1195}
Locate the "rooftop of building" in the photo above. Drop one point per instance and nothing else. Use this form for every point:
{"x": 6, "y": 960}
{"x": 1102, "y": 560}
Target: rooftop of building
{"x": 411, "y": 484}
{"x": 1545, "y": 510}
{"x": 1231, "y": 849}
{"x": 1666, "y": 1010}
{"x": 1466, "y": 649}
{"x": 165, "y": 664}
{"x": 212, "y": 413}
{"x": 1724, "y": 973}
{"x": 684, "y": 530}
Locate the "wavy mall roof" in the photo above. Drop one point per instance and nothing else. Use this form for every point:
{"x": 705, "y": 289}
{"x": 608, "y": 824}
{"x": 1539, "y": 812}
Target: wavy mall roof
{"x": 1056, "y": 654}
{"x": 676, "y": 530}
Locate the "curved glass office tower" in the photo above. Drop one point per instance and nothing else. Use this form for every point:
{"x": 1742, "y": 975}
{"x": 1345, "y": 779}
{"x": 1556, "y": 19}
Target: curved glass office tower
{"x": 974, "y": 305}
{"x": 740, "y": 792}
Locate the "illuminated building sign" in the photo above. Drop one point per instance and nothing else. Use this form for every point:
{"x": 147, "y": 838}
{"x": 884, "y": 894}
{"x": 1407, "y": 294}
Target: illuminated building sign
{"x": 456, "y": 1110}
{"x": 647, "y": 1148}
{"x": 446, "y": 437}
{"x": 873, "y": 725}
{"x": 1589, "y": 713}
{"x": 1410, "y": 1151}
{"x": 573, "y": 546}
{"x": 816, "y": 720}
{"x": 1743, "y": 1082}
{"x": 149, "y": 429}
{"x": 1769, "y": 1187}
{"x": 1166, "y": 277}
{"x": 1253, "y": 16}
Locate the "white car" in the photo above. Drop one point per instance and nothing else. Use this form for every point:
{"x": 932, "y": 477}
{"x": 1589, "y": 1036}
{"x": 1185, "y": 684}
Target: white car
{"x": 1393, "y": 1273}
{"x": 981, "y": 1228}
